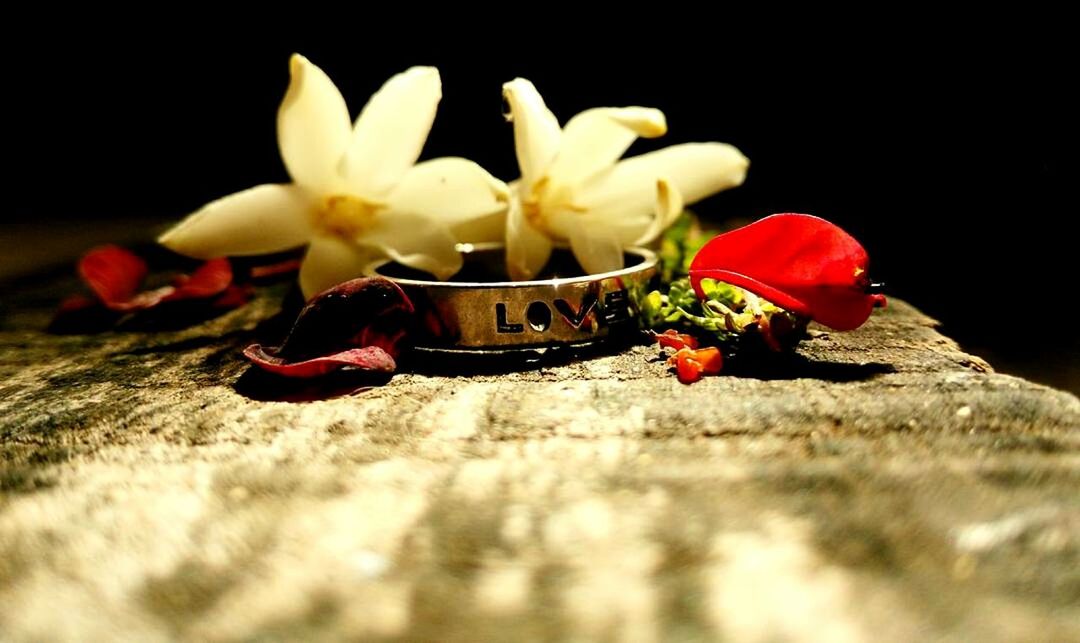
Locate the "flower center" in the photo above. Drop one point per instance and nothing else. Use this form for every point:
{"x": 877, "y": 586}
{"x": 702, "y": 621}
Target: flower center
{"x": 345, "y": 216}
{"x": 531, "y": 210}
{"x": 541, "y": 200}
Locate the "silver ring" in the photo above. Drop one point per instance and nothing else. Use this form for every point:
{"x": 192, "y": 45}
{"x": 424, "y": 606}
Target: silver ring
{"x": 500, "y": 315}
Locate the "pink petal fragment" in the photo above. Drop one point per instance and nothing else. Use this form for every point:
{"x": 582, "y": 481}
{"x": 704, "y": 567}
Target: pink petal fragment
{"x": 368, "y": 358}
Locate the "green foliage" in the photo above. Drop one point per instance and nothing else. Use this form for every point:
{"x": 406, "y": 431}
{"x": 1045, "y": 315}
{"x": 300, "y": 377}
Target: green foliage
{"x": 679, "y": 245}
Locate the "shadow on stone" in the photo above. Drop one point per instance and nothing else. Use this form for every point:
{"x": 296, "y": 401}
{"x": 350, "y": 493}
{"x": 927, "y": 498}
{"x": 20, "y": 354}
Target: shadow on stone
{"x": 166, "y": 317}
{"x": 794, "y": 366}
{"x": 467, "y": 363}
{"x": 191, "y": 343}
{"x": 261, "y": 386}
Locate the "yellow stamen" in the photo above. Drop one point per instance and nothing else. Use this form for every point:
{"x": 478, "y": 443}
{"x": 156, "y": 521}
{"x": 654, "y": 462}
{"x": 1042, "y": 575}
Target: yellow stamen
{"x": 345, "y": 216}
{"x": 530, "y": 206}
{"x": 533, "y": 211}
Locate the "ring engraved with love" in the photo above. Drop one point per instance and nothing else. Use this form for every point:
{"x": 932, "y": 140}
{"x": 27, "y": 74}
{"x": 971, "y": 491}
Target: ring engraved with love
{"x": 479, "y": 310}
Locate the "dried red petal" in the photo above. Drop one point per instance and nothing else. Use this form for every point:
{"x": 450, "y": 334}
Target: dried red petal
{"x": 711, "y": 360}
{"x": 358, "y": 324}
{"x": 799, "y": 262}
{"x": 76, "y": 303}
{"x": 691, "y": 365}
{"x": 671, "y": 339}
{"x": 235, "y": 296}
{"x": 209, "y": 280}
{"x": 270, "y": 271}
{"x": 113, "y": 274}
{"x": 688, "y": 369}
{"x": 370, "y": 311}
{"x": 368, "y": 358}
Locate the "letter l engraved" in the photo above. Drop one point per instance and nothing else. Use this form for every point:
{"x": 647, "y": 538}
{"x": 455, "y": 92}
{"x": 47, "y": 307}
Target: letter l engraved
{"x": 501, "y": 325}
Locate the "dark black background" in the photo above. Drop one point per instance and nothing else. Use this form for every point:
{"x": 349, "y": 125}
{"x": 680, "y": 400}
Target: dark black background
{"x": 945, "y": 146}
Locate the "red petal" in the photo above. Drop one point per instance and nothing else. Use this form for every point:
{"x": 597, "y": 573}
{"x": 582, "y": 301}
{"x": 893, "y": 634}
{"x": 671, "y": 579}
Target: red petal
{"x": 369, "y": 358}
{"x": 688, "y": 369}
{"x": 357, "y": 324}
{"x": 76, "y": 303}
{"x": 114, "y": 274}
{"x": 209, "y": 280}
{"x": 145, "y": 300}
{"x": 692, "y": 364}
{"x": 370, "y": 311}
{"x": 275, "y": 269}
{"x": 671, "y": 339}
{"x": 711, "y": 360}
{"x": 235, "y": 296}
{"x": 799, "y": 262}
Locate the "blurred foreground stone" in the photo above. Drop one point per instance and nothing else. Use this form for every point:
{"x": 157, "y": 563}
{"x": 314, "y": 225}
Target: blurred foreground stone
{"x": 884, "y": 486}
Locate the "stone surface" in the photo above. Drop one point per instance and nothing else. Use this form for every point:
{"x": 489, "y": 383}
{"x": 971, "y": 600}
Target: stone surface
{"x": 883, "y": 486}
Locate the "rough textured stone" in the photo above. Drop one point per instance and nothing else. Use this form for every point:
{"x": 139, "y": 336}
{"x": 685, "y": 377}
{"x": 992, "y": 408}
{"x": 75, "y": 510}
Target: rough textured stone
{"x": 883, "y": 485}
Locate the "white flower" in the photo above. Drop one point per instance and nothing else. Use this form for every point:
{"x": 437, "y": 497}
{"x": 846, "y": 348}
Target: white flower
{"x": 574, "y": 189}
{"x": 357, "y": 194}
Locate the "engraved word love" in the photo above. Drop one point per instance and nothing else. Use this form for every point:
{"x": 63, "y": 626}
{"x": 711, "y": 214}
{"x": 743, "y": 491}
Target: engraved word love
{"x": 615, "y": 309}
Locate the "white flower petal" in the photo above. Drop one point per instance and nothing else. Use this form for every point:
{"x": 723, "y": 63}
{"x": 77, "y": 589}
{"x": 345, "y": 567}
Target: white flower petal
{"x": 536, "y": 130}
{"x": 488, "y": 229}
{"x": 696, "y": 169}
{"x": 391, "y": 130}
{"x": 669, "y": 205}
{"x": 594, "y": 139}
{"x": 626, "y": 230}
{"x": 560, "y": 222}
{"x": 458, "y": 193}
{"x": 595, "y": 250}
{"x": 416, "y": 241}
{"x": 527, "y": 249}
{"x": 641, "y": 229}
{"x": 330, "y": 261}
{"x": 260, "y": 220}
{"x": 313, "y": 127}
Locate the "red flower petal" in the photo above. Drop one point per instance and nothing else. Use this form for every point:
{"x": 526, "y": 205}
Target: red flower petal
{"x": 671, "y": 339}
{"x": 689, "y": 371}
{"x": 270, "y": 271}
{"x": 358, "y": 324}
{"x": 799, "y": 262}
{"x": 75, "y": 304}
{"x": 235, "y": 296}
{"x": 209, "y": 280}
{"x": 368, "y": 358}
{"x": 711, "y": 360}
{"x": 370, "y": 311}
{"x": 691, "y": 365}
{"x": 114, "y": 274}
